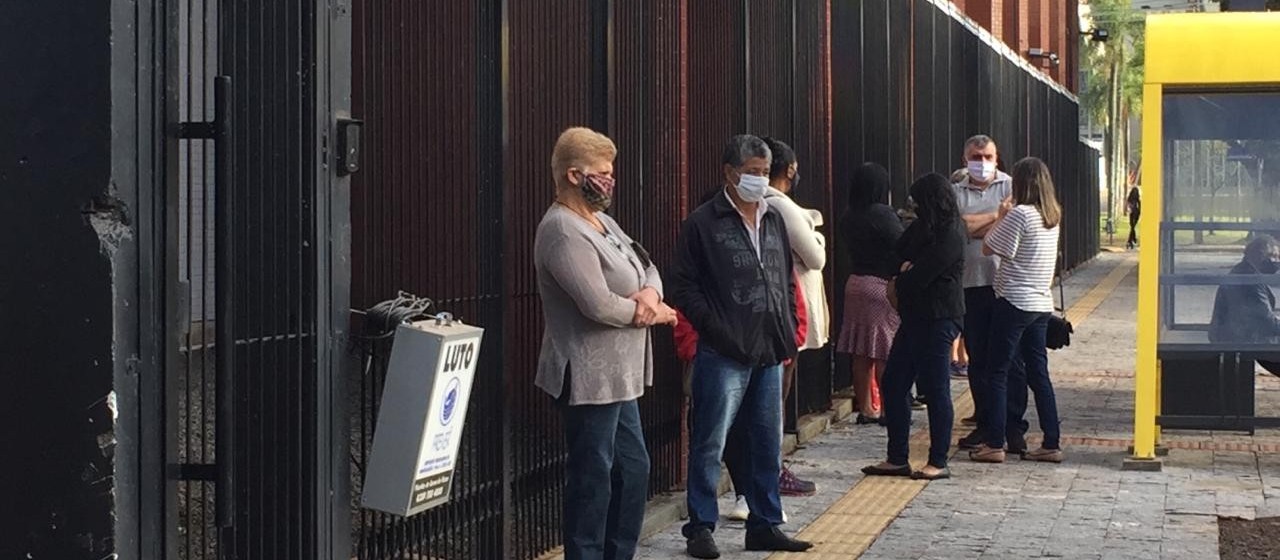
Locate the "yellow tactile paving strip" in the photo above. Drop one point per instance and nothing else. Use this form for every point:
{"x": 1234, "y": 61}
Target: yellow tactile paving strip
{"x": 1085, "y": 306}
{"x": 852, "y": 524}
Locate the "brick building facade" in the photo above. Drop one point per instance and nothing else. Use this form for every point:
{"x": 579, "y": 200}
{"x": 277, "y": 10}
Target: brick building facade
{"x": 1048, "y": 27}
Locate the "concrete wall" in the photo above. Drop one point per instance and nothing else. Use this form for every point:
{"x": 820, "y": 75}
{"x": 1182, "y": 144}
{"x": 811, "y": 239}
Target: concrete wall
{"x": 61, "y": 224}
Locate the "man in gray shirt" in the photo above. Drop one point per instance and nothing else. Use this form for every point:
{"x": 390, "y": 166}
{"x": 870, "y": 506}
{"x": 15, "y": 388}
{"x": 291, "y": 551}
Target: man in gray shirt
{"x": 980, "y": 195}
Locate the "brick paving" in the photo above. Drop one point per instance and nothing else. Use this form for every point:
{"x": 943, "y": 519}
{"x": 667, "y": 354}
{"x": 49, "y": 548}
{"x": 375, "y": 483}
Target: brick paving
{"x": 1083, "y": 508}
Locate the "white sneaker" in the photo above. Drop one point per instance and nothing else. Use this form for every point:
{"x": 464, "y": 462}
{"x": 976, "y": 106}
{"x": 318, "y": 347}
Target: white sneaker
{"x": 740, "y": 510}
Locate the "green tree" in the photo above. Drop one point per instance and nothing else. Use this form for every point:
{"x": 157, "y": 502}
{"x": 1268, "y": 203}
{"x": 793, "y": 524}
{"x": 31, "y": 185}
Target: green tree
{"x": 1113, "y": 87}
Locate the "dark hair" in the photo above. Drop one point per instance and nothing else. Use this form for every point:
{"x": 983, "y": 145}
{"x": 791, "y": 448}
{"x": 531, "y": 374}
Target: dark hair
{"x": 743, "y": 147}
{"x": 783, "y": 157}
{"x": 978, "y": 141}
{"x": 935, "y": 202}
{"x": 1259, "y": 246}
{"x": 870, "y": 185}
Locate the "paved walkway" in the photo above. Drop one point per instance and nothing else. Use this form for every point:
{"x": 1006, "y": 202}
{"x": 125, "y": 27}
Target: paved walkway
{"x": 1084, "y": 508}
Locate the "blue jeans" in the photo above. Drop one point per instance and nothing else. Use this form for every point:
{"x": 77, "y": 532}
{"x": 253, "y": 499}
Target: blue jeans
{"x": 725, "y": 391}
{"x": 1018, "y": 333}
{"x": 737, "y": 457}
{"x": 979, "y": 325}
{"x": 606, "y": 480}
{"x": 921, "y": 354}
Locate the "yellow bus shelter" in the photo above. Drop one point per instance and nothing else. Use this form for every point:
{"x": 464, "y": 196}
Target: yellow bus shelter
{"x": 1210, "y": 196}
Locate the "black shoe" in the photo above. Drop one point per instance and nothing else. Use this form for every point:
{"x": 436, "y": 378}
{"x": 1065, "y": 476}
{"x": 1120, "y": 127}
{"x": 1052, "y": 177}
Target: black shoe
{"x": 703, "y": 545}
{"x": 971, "y": 441}
{"x": 1015, "y": 445}
{"x": 919, "y": 403}
{"x": 877, "y": 470}
{"x": 864, "y": 419}
{"x": 774, "y": 539}
{"x": 943, "y": 474}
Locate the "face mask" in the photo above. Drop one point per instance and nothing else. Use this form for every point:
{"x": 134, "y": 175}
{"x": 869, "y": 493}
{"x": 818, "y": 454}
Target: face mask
{"x": 982, "y": 170}
{"x": 795, "y": 181}
{"x": 1268, "y": 267}
{"x": 752, "y": 188}
{"x": 597, "y": 191}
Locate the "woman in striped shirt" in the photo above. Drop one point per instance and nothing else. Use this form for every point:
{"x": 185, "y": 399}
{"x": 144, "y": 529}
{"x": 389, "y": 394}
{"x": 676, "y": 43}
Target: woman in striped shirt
{"x": 1026, "y": 240}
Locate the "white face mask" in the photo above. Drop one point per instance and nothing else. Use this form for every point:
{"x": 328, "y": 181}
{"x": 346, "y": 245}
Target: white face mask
{"x": 982, "y": 170}
{"x": 751, "y": 188}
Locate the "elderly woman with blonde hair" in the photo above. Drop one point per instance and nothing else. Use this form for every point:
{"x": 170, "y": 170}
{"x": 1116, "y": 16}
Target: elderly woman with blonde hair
{"x": 600, "y": 293}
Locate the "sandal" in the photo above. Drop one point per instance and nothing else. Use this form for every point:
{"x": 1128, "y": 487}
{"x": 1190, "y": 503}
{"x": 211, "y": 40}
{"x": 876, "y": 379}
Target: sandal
{"x": 877, "y": 470}
{"x": 943, "y": 474}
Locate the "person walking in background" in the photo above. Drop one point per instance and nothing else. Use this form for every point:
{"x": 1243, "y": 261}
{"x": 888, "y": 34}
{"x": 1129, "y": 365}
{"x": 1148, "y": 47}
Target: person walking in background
{"x": 980, "y": 196}
{"x": 733, "y": 280}
{"x": 809, "y": 252}
{"x": 1133, "y": 207}
{"x": 599, "y": 295}
{"x": 870, "y": 230}
{"x": 930, "y": 299}
{"x": 1025, "y": 237}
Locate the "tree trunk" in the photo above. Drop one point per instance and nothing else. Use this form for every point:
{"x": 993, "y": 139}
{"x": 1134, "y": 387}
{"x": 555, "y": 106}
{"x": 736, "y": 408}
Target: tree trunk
{"x": 1198, "y": 187}
{"x": 1111, "y": 148}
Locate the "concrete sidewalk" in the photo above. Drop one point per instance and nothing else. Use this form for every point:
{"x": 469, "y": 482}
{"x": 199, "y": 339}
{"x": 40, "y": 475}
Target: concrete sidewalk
{"x": 1084, "y": 508}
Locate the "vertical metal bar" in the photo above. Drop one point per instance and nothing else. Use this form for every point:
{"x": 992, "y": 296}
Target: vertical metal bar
{"x": 194, "y": 526}
{"x": 504, "y": 101}
{"x": 745, "y": 44}
{"x": 600, "y": 53}
{"x": 224, "y": 266}
{"x": 334, "y": 534}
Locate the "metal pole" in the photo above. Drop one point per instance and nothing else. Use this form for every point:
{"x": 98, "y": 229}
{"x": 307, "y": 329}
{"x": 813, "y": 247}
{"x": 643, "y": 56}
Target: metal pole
{"x": 224, "y": 263}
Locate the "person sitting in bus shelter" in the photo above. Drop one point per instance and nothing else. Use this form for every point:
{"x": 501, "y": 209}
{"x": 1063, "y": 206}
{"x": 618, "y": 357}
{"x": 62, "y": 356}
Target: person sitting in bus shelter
{"x": 1245, "y": 313}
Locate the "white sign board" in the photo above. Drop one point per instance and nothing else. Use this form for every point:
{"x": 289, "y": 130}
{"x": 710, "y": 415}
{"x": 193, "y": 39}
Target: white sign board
{"x": 424, "y": 406}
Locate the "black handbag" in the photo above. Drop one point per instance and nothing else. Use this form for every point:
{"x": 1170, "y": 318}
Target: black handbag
{"x": 1058, "y": 333}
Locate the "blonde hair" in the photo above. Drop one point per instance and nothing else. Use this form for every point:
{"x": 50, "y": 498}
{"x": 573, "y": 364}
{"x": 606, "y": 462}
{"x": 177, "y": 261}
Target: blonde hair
{"x": 1032, "y": 185}
{"x": 578, "y": 147}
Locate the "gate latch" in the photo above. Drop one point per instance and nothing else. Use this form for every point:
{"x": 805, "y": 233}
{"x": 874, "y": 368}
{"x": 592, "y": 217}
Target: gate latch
{"x": 349, "y": 145}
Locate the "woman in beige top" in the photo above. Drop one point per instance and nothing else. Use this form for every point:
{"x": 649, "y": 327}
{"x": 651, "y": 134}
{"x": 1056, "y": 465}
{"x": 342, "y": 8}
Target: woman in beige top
{"x": 809, "y": 248}
{"x": 599, "y": 295}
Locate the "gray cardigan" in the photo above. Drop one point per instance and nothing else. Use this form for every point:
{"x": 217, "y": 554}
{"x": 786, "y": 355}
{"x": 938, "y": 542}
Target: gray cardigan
{"x": 584, "y": 279}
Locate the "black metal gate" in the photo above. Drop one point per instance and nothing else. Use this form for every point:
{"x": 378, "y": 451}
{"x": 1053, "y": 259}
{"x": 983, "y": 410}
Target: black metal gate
{"x": 252, "y": 209}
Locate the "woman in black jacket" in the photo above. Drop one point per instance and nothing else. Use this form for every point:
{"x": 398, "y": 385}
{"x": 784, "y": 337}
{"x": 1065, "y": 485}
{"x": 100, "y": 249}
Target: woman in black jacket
{"x": 930, "y": 300}
{"x": 870, "y": 230}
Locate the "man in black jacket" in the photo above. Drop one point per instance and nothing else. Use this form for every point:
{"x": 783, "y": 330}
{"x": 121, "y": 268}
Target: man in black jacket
{"x": 1245, "y": 313}
{"x": 733, "y": 282}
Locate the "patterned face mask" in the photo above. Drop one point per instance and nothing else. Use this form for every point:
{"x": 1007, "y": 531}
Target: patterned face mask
{"x": 597, "y": 190}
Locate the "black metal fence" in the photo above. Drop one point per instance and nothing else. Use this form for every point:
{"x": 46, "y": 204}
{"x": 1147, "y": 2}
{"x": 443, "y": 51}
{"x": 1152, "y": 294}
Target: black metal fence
{"x": 462, "y": 102}
{"x": 247, "y": 265}
{"x": 911, "y": 81}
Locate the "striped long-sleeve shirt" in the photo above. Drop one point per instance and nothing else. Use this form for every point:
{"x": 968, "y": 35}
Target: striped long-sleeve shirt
{"x": 1028, "y": 252}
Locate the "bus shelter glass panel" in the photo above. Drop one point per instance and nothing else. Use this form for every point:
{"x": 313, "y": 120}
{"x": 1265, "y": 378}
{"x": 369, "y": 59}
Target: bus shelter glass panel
{"x": 1221, "y": 196}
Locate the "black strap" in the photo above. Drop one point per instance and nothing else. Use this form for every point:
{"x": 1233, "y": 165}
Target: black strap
{"x": 1062, "y": 292}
